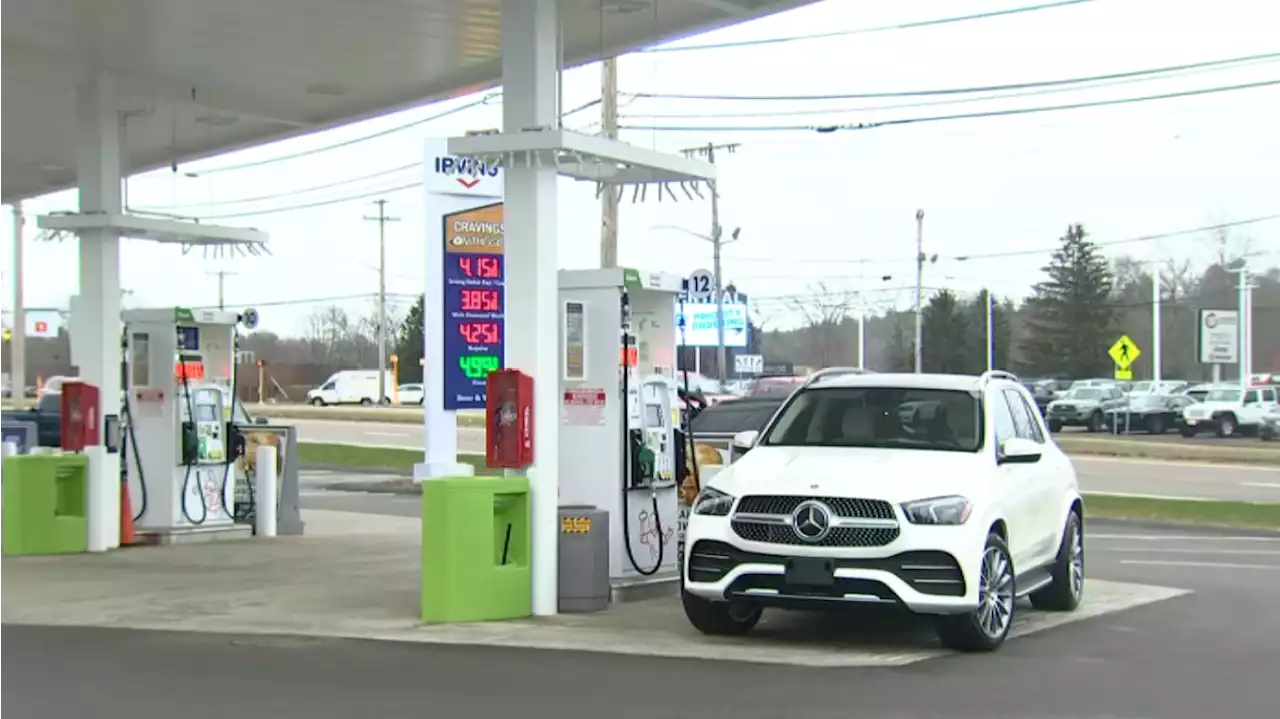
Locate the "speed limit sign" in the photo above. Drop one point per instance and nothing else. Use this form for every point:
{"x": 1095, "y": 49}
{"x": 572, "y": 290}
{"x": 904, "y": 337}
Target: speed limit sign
{"x": 701, "y": 285}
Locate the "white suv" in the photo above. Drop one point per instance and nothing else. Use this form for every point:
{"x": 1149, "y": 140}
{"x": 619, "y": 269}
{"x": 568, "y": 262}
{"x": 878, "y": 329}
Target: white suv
{"x": 941, "y": 493}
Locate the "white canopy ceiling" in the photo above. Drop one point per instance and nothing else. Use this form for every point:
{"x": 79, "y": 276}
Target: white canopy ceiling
{"x": 203, "y": 77}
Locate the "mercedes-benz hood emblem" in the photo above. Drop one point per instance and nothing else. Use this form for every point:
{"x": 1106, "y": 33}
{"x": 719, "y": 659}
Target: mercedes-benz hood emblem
{"x": 811, "y": 521}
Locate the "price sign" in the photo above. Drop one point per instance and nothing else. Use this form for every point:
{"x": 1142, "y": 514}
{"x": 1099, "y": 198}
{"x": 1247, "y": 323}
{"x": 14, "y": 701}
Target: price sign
{"x": 474, "y": 303}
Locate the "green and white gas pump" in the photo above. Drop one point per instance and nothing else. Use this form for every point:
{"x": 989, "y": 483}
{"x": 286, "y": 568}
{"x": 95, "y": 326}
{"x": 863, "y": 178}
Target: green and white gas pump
{"x": 617, "y": 438}
{"x": 180, "y": 381}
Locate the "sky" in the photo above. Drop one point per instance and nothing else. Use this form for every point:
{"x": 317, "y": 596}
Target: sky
{"x": 831, "y": 212}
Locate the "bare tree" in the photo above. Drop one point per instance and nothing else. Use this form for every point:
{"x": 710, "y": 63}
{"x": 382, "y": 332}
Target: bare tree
{"x": 825, "y": 311}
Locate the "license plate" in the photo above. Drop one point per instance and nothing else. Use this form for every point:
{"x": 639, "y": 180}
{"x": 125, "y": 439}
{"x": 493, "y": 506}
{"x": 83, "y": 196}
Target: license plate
{"x": 806, "y": 572}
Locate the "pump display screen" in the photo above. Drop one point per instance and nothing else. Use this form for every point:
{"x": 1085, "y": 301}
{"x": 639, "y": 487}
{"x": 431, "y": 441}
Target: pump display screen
{"x": 474, "y": 303}
{"x": 206, "y": 413}
{"x": 188, "y": 338}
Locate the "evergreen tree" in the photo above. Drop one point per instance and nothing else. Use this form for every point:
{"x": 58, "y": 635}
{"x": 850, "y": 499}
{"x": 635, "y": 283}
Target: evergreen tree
{"x": 1070, "y": 316}
{"x": 948, "y": 344}
{"x": 1001, "y": 329}
{"x": 409, "y": 344}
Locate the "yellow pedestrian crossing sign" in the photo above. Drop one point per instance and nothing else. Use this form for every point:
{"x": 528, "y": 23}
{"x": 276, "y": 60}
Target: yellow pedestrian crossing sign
{"x": 1124, "y": 352}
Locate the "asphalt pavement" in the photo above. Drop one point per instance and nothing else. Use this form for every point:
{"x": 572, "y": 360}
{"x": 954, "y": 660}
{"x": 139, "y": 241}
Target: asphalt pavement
{"x": 1097, "y": 474}
{"x": 1208, "y": 653}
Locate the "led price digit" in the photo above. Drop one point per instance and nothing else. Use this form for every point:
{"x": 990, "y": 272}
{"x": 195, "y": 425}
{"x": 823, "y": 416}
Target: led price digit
{"x": 484, "y": 267}
{"x": 477, "y": 366}
{"x": 481, "y": 333}
{"x": 480, "y": 300}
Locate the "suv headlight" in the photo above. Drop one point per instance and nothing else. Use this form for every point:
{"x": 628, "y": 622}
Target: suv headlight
{"x": 713, "y": 503}
{"x": 938, "y": 510}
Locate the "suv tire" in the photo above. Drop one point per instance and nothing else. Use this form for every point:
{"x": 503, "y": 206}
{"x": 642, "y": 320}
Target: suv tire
{"x": 720, "y": 618}
{"x": 1055, "y": 425}
{"x": 1067, "y": 588}
{"x": 1227, "y": 426}
{"x": 986, "y": 627}
{"x": 1095, "y": 422}
{"x": 317, "y": 402}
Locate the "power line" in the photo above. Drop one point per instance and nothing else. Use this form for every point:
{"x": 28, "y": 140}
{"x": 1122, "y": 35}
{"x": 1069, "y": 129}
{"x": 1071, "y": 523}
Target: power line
{"x": 958, "y": 116}
{"x": 486, "y": 100}
{"x": 312, "y": 205}
{"x": 290, "y": 193}
{"x": 346, "y": 143}
{"x": 963, "y": 90}
{"x": 861, "y": 31}
{"x": 926, "y": 103}
{"x": 1037, "y": 251}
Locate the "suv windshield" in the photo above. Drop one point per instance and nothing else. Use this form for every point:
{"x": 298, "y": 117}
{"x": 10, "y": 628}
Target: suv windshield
{"x": 1085, "y": 393}
{"x": 1223, "y": 395}
{"x": 889, "y": 417}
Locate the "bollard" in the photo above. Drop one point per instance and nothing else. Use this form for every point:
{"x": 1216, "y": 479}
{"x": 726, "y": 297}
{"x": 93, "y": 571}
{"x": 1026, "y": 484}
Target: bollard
{"x": 10, "y": 449}
{"x": 265, "y": 489}
{"x": 103, "y": 500}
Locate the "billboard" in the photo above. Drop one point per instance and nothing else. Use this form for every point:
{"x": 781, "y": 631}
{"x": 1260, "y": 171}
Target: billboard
{"x": 701, "y": 325}
{"x": 1218, "y": 336}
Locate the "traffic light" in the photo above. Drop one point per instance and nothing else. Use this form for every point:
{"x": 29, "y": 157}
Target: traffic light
{"x": 7, "y": 335}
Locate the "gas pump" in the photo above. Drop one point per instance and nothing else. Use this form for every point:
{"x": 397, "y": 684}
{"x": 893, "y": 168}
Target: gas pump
{"x": 179, "y": 401}
{"x": 618, "y": 422}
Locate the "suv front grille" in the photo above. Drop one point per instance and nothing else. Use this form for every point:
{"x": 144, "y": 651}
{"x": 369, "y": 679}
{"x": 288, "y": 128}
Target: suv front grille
{"x": 842, "y": 506}
{"x": 839, "y": 536}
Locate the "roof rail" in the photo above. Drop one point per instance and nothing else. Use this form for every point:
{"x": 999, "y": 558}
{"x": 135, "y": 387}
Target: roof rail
{"x": 832, "y": 372}
{"x": 997, "y": 374}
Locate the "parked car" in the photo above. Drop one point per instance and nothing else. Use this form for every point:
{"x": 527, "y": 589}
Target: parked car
{"x": 1083, "y": 406}
{"x": 1042, "y": 393}
{"x": 1228, "y": 410}
{"x": 1151, "y": 413}
{"x": 1163, "y": 387}
{"x": 1270, "y": 429}
{"x": 411, "y": 393}
{"x": 1198, "y": 392}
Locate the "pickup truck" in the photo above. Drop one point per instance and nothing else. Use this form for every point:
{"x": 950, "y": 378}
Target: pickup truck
{"x": 47, "y": 416}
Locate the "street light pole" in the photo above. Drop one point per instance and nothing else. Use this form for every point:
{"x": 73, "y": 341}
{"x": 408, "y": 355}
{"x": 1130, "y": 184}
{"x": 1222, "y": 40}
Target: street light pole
{"x": 1156, "y": 344}
{"x": 919, "y": 291}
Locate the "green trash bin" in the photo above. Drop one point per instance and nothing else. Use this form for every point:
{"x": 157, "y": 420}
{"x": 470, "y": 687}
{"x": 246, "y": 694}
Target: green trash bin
{"x": 45, "y": 503}
{"x": 475, "y": 549}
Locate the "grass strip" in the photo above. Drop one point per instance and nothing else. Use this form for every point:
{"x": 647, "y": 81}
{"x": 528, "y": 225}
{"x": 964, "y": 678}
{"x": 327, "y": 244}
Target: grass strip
{"x": 1209, "y": 513}
{"x": 391, "y": 460}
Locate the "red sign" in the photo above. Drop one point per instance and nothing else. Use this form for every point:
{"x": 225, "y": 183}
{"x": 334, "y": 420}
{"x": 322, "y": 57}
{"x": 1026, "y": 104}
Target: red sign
{"x": 42, "y": 327}
{"x": 188, "y": 370}
{"x": 469, "y": 183}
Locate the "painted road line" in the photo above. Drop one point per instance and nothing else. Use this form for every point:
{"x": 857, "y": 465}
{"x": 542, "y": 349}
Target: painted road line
{"x": 1180, "y": 538}
{"x": 1263, "y": 485}
{"x": 1199, "y": 565}
{"x": 1090, "y": 459}
{"x": 1189, "y": 550}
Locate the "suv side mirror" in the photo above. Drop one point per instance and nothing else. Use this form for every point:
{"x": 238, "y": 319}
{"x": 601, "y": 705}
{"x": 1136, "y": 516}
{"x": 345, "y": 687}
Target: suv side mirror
{"x": 744, "y": 441}
{"x": 1017, "y": 450}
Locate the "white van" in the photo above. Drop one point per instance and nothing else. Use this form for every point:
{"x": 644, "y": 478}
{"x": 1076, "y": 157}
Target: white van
{"x": 351, "y": 386}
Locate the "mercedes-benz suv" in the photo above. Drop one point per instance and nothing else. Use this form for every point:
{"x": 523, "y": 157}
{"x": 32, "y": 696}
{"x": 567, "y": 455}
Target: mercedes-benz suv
{"x": 942, "y": 494}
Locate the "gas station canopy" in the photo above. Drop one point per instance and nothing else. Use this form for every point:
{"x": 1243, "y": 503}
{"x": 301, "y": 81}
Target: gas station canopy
{"x": 196, "y": 78}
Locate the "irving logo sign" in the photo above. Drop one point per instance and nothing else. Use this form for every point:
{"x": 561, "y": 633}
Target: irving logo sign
{"x": 464, "y": 170}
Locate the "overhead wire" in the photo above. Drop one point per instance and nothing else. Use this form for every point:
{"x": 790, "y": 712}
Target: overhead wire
{"x": 347, "y": 143}
{"x": 291, "y": 193}
{"x": 865, "y": 30}
{"x": 943, "y": 101}
{"x": 957, "y": 116}
{"x": 963, "y": 90}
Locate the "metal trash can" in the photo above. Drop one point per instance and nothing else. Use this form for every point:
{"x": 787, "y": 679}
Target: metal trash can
{"x": 584, "y": 559}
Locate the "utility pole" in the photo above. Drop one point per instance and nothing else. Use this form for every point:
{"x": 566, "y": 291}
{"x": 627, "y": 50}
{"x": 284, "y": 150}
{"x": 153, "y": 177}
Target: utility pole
{"x": 18, "y": 341}
{"x": 991, "y": 332}
{"x": 609, "y": 197}
{"x": 919, "y": 291}
{"x": 382, "y": 219}
{"x": 222, "y": 279}
{"x": 708, "y": 151}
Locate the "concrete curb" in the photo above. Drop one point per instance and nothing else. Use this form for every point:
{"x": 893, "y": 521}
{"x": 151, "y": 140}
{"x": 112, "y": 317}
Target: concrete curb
{"x": 1199, "y": 529}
